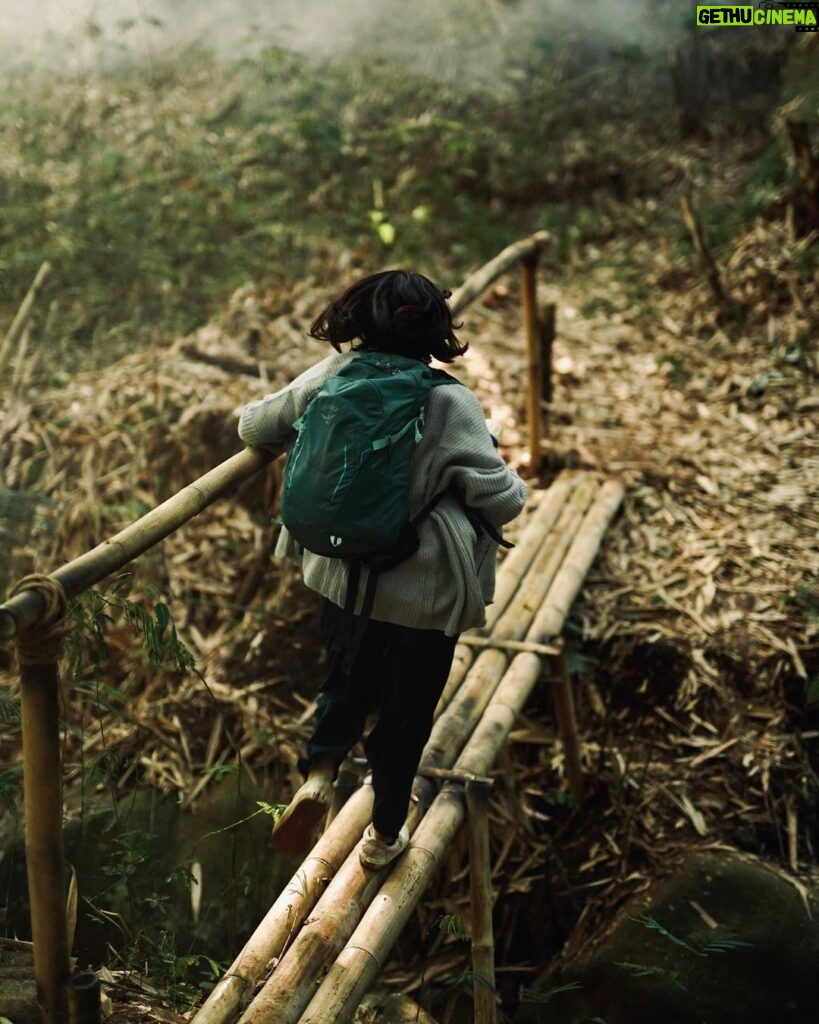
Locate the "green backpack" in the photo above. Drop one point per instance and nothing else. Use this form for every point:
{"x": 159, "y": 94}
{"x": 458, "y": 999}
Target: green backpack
{"x": 347, "y": 479}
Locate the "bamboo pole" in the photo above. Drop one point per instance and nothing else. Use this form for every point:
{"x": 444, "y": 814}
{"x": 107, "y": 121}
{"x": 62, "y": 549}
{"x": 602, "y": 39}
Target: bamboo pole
{"x": 285, "y": 917}
{"x": 548, "y": 323}
{"x": 534, "y": 358}
{"x": 535, "y": 586}
{"x": 516, "y": 564}
{"x": 24, "y": 609}
{"x": 566, "y": 717}
{"x": 84, "y": 999}
{"x": 480, "y": 891}
{"x": 359, "y": 962}
{"x": 22, "y": 317}
{"x": 43, "y": 810}
{"x": 491, "y": 271}
{"x": 509, "y": 645}
{"x": 288, "y": 989}
{"x": 551, "y": 616}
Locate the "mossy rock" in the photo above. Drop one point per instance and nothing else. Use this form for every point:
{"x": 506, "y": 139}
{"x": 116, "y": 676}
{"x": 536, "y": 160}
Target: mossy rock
{"x": 726, "y": 940}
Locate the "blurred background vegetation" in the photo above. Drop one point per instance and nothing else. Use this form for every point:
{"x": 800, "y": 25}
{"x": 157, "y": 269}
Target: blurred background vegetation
{"x": 160, "y": 157}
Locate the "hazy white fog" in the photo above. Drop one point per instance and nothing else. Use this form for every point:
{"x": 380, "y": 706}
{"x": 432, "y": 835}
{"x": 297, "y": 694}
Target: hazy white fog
{"x": 68, "y": 35}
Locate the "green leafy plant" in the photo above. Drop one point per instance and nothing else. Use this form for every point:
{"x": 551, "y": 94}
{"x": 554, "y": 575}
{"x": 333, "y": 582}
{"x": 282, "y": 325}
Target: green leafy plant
{"x": 451, "y": 924}
{"x": 545, "y": 995}
{"x": 93, "y": 610}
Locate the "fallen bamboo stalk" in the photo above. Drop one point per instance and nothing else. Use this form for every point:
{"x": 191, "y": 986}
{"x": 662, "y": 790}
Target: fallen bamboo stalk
{"x": 508, "y": 645}
{"x": 478, "y": 282}
{"x": 24, "y": 609}
{"x": 22, "y": 317}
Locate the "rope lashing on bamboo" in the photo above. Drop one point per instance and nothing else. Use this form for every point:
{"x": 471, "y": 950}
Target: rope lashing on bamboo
{"x": 42, "y": 642}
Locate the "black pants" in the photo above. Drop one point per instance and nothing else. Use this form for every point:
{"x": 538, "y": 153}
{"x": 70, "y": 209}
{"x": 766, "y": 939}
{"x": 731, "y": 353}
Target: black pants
{"x": 399, "y": 672}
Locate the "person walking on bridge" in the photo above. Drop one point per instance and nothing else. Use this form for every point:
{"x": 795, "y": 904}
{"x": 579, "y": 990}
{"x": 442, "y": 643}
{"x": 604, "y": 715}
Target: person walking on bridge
{"x": 393, "y": 500}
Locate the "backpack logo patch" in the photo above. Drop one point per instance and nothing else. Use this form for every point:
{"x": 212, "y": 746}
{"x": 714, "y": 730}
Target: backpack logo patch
{"x": 329, "y": 410}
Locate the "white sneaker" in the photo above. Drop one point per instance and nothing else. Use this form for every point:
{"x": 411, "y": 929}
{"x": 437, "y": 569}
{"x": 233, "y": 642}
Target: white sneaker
{"x": 374, "y": 853}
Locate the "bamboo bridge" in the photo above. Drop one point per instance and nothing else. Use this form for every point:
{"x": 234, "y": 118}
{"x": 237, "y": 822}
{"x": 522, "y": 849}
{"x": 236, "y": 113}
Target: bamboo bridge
{"x": 319, "y": 949}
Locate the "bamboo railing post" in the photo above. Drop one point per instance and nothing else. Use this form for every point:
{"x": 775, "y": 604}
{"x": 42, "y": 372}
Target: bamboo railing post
{"x": 534, "y": 356}
{"x": 480, "y": 889}
{"x": 548, "y": 322}
{"x": 38, "y": 649}
{"x": 566, "y": 716}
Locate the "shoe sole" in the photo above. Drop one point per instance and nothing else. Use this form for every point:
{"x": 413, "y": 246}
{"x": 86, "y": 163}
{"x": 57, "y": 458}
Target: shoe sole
{"x": 294, "y": 831}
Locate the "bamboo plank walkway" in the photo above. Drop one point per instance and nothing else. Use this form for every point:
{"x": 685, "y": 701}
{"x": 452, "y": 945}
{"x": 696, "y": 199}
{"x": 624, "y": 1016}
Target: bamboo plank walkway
{"x": 321, "y": 945}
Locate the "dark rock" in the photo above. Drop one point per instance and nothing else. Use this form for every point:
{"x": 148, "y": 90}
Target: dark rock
{"x": 663, "y": 960}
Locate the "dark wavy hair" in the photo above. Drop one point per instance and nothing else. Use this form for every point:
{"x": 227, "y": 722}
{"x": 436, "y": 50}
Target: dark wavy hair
{"x": 394, "y": 311}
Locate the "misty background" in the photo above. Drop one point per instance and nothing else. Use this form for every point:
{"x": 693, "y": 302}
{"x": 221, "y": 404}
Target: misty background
{"x": 456, "y": 37}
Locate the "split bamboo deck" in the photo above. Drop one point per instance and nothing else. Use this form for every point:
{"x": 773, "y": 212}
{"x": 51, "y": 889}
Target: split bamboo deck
{"x": 321, "y": 945}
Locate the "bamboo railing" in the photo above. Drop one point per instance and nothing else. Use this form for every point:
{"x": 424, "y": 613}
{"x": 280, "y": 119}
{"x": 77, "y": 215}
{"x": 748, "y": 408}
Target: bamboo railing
{"x": 536, "y": 585}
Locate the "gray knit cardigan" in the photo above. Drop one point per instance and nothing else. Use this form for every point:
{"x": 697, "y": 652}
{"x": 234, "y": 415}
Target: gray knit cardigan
{"x": 448, "y": 582}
